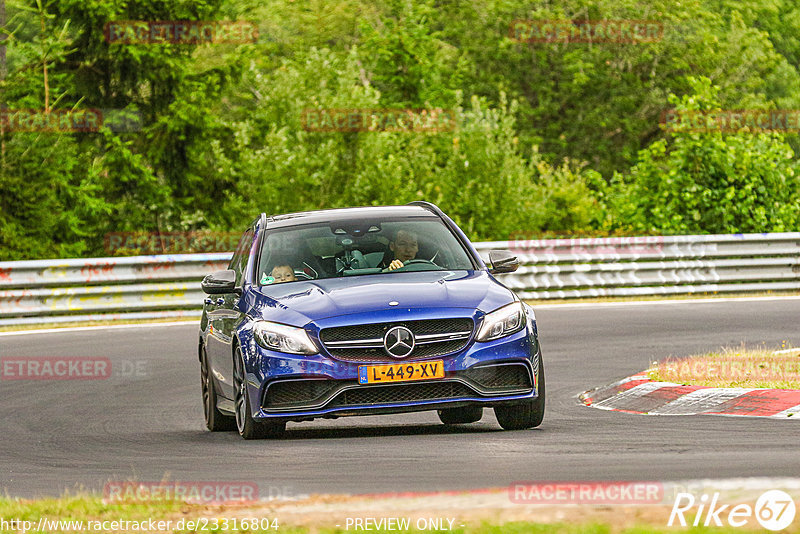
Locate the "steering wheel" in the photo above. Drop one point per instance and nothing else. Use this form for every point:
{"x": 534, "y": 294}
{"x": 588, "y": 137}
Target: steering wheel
{"x": 410, "y": 262}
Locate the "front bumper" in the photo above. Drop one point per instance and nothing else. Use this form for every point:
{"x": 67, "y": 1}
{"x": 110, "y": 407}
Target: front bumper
{"x": 290, "y": 387}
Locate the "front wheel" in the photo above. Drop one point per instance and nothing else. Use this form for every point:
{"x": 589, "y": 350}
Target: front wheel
{"x": 216, "y": 421}
{"x": 248, "y": 427}
{"x": 524, "y": 415}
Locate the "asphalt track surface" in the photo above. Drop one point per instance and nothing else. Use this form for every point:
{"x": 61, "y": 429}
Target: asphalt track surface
{"x": 66, "y": 435}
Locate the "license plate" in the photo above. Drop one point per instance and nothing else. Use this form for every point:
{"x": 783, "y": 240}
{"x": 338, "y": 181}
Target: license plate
{"x": 400, "y": 372}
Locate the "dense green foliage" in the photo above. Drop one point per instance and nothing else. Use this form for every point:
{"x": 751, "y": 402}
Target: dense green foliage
{"x": 710, "y": 182}
{"x": 550, "y": 138}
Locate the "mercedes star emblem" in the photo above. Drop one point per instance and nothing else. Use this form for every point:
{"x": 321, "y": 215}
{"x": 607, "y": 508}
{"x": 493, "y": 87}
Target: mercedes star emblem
{"x": 398, "y": 342}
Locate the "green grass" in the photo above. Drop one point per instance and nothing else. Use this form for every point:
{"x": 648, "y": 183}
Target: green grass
{"x": 86, "y": 507}
{"x": 89, "y": 507}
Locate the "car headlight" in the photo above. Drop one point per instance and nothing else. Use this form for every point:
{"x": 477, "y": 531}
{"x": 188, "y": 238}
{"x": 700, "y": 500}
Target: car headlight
{"x": 502, "y": 322}
{"x": 283, "y": 338}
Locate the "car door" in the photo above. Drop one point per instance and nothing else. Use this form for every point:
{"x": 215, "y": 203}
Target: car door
{"x": 224, "y": 315}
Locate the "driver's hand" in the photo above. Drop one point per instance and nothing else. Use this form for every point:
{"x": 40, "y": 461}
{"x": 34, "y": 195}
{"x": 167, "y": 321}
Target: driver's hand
{"x": 396, "y": 264}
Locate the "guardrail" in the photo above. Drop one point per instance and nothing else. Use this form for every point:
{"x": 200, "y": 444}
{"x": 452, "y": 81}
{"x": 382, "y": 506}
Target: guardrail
{"x": 144, "y": 287}
{"x": 136, "y": 287}
{"x": 653, "y": 265}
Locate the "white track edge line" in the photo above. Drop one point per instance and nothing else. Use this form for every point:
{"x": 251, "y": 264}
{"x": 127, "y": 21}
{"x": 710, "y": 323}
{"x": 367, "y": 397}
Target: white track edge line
{"x": 195, "y": 323}
{"x": 537, "y": 306}
{"x": 657, "y": 302}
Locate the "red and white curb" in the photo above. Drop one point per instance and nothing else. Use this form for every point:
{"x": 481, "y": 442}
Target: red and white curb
{"x": 638, "y": 394}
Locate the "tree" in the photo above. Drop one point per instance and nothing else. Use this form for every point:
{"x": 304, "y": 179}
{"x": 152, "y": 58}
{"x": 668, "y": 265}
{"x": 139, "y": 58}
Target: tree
{"x": 694, "y": 183}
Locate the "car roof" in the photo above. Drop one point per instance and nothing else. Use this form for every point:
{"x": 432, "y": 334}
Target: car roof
{"x": 347, "y": 214}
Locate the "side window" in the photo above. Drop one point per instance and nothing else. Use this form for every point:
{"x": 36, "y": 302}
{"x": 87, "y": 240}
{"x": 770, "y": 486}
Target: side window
{"x": 241, "y": 255}
{"x": 248, "y": 246}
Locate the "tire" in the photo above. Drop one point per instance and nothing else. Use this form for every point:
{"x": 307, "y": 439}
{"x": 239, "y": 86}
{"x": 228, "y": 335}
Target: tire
{"x": 216, "y": 421}
{"x": 248, "y": 427}
{"x": 460, "y": 416}
{"x": 524, "y": 415}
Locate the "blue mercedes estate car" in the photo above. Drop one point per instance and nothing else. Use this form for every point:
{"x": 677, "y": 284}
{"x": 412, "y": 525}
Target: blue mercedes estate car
{"x": 358, "y": 311}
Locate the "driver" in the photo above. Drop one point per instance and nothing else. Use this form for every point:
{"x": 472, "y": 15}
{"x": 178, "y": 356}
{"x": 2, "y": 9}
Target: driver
{"x": 405, "y": 248}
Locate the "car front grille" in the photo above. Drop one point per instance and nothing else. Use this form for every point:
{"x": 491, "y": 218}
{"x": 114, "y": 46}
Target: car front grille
{"x": 298, "y": 392}
{"x": 364, "y": 343}
{"x": 402, "y": 393}
{"x": 491, "y": 380}
{"x": 508, "y": 376}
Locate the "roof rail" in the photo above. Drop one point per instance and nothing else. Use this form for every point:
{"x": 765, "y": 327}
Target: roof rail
{"x": 430, "y": 206}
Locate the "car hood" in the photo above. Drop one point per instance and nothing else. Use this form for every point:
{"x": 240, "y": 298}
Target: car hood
{"x": 298, "y": 303}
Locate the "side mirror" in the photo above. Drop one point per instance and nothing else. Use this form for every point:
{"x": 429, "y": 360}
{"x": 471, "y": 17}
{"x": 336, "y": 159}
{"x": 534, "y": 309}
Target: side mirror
{"x": 220, "y": 282}
{"x": 502, "y": 261}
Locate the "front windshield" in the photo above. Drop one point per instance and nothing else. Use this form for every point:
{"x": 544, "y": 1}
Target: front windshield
{"x": 357, "y": 247}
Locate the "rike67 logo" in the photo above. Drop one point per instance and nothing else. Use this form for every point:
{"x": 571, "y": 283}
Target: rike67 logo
{"x": 774, "y": 510}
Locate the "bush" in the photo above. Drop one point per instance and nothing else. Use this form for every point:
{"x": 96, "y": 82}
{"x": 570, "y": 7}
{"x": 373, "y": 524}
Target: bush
{"x": 696, "y": 183}
{"x": 476, "y": 172}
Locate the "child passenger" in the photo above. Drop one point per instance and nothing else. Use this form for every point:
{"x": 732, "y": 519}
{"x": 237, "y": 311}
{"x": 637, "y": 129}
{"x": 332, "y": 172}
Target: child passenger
{"x": 283, "y": 273}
